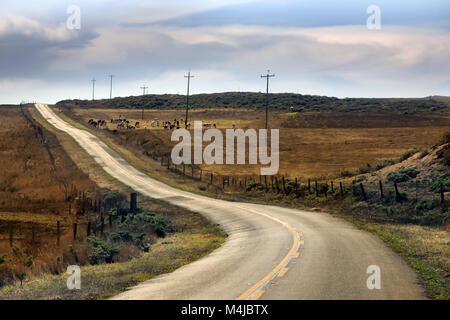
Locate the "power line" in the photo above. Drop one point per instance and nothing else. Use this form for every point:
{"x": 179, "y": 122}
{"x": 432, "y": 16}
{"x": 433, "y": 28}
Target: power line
{"x": 110, "y": 88}
{"x": 93, "y": 89}
{"x": 187, "y": 98}
{"x": 267, "y": 94}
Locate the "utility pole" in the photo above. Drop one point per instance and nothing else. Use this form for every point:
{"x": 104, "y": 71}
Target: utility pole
{"x": 267, "y": 94}
{"x": 144, "y": 87}
{"x": 93, "y": 88}
{"x": 110, "y": 88}
{"x": 143, "y": 93}
{"x": 187, "y": 98}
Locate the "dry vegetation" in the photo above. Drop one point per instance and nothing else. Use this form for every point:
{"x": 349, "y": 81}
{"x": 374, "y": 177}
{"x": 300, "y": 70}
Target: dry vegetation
{"x": 43, "y": 186}
{"x": 36, "y": 179}
{"x": 311, "y": 144}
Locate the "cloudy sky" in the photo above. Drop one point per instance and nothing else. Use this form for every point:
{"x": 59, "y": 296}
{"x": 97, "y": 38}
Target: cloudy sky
{"x": 313, "y": 47}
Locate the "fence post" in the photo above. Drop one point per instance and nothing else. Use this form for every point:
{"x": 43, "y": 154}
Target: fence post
{"x": 341, "y": 189}
{"x": 11, "y": 235}
{"x": 284, "y": 185}
{"x": 442, "y": 193}
{"x": 192, "y": 169}
{"x": 309, "y": 185}
{"x": 88, "y": 232}
{"x": 74, "y": 231}
{"x": 332, "y": 187}
{"x": 58, "y": 233}
{"x": 133, "y": 202}
{"x": 381, "y": 189}
{"x": 201, "y": 173}
{"x": 397, "y": 194}
{"x": 317, "y": 189}
{"x": 363, "y": 192}
{"x": 276, "y": 184}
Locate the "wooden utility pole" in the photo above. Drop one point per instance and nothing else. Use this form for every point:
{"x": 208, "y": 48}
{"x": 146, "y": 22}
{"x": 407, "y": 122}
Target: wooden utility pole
{"x": 144, "y": 87}
{"x": 93, "y": 88}
{"x": 187, "y": 98}
{"x": 267, "y": 94}
{"x": 110, "y": 87}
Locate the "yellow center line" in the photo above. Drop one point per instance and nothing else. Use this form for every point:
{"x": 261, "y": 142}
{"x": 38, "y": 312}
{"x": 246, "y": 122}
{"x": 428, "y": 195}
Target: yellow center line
{"x": 283, "y": 272}
{"x": 283, "y": 262}
{"x": 257, "y": 295}
{"x": 296, "y": 254}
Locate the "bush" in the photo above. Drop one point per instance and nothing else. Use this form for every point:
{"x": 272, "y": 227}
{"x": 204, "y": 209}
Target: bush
{"x": 408, "y": 154}
{"x": 366, "y": 169}
{"x": 140, "y": 223}
{"x": 402, "y": 175}
{"x": 436, "y": 185}
{"x": 423, "y": 205}
{"x": 254, "y": 185}
{"x": 384, "y": 164}
{"x": 346, "y": 173}
{"x": 444, "y": 153}
{"x": 100, "y": 251}
{"x": 2, "y": 258}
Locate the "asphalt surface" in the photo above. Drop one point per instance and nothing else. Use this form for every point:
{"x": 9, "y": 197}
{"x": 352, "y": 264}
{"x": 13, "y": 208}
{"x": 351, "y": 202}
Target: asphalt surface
{"x": 270, "y": 253}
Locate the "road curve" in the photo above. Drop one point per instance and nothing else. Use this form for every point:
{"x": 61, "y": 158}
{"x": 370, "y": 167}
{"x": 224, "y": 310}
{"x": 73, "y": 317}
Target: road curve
{"x": 271, "y": 252}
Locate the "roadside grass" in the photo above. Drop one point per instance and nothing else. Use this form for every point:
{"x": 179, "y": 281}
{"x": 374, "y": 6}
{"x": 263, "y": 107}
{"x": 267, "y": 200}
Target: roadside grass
{"x": 107, "y": 280}
{"x": 425, "y": 249}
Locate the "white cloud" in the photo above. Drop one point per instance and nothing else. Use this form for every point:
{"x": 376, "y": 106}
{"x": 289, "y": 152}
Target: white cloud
{"x": 20, "y": 25}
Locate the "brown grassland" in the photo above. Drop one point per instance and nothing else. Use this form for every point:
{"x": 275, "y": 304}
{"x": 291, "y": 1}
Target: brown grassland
{"x": 311, "y": 144}
{"x": 38, "y": 168}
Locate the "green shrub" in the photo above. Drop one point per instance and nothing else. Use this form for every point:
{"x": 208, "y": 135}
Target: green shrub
{"x": 436, "y": 185}
{"x": 402, "y": 175}
{"x": 100, "y": 251}
{"x": 408, "y": 154}
{"x": 344, "y": 173}
{"x": 2, "y": 258}
{"x": 424, "y": 205}
{"x": 384, "y": 164}
{"x": 141, "y": 222}
{"x": 444, "y": 153}
{"x": 365, "y": 169}
{"x": 254, "y": 185}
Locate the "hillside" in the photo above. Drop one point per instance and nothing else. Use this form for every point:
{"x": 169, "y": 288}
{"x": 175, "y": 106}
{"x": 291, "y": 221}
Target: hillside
{"x": 279, "y": 101}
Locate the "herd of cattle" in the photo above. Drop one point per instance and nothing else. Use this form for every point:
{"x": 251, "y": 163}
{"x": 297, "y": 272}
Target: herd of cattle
{"x": 126, "y": 124}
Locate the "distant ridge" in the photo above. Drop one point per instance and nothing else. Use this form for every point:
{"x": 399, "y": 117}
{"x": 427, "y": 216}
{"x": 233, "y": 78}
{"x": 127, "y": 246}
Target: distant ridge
{"x": 278, "y": 101}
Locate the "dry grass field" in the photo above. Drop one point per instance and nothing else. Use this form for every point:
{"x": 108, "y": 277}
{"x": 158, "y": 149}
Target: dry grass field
{"x": 37, "y": 176}
{"x": 311, "y": 144}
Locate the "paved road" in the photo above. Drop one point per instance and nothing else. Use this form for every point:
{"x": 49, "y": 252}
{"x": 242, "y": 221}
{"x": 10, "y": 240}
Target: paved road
{"x": 271, "y": 252}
